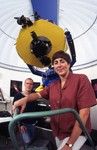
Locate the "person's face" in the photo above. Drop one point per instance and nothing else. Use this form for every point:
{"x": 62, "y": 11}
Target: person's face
{"x": 61, "y": 66}
{"x": 28, "y": 85}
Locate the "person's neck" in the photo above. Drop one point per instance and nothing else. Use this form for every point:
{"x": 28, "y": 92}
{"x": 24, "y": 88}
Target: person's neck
{"x": 26, "y": 92}
{"x": 63, "y": 79}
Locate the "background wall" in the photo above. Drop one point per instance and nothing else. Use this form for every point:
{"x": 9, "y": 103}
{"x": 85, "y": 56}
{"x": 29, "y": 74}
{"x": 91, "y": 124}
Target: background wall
{"x": 7, "y": 75}
{"x": 91, "y": 72}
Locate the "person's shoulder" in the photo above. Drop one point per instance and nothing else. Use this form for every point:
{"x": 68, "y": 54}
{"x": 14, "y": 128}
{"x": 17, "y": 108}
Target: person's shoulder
{"x": 18, "y": 96}
{"x": 80, "y": 76}
{"x": 33, "y": 91}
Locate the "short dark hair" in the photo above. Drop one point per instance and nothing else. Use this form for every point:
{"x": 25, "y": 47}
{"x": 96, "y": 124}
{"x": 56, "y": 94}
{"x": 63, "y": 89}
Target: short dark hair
{"x": 29, "y": 79}
{"x": 61, "y": 54}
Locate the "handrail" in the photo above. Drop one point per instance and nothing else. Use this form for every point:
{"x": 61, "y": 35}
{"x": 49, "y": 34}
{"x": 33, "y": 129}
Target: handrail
{"x": 20, "y": 117}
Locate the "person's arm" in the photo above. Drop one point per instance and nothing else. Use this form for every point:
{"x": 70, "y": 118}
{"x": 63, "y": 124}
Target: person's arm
{"x": 36, "y": 71}
{"x": 76, "y": 132}
{"x": 23, "y": 101}
{"x": 16, "y": 98}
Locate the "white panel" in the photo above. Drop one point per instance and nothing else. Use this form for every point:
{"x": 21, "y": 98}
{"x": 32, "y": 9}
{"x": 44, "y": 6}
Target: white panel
{"x": 9, "y": 30}
{"x": 78, "y": 16}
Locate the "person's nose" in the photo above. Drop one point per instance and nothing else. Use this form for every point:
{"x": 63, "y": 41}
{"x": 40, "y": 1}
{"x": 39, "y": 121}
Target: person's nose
{"x": 59, "y": 64}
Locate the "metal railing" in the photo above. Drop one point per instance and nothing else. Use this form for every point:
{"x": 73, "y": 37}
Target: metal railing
{"x": 20, "y": 117}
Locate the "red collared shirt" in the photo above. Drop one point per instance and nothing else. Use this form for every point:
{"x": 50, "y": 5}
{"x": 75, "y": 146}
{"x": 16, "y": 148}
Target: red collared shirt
{"x": 77, "y": 93}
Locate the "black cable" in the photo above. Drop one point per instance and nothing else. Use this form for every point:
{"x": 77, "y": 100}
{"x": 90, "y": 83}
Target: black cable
{"x": 71, "y": 47}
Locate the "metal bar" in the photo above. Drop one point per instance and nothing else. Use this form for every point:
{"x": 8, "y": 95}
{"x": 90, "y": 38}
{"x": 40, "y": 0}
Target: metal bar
{"x": 20, "y": 117}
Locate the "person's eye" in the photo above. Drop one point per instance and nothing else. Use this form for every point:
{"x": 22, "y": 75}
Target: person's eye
{"x": 55, "y": 62}
{"x": 63, "y": 61}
